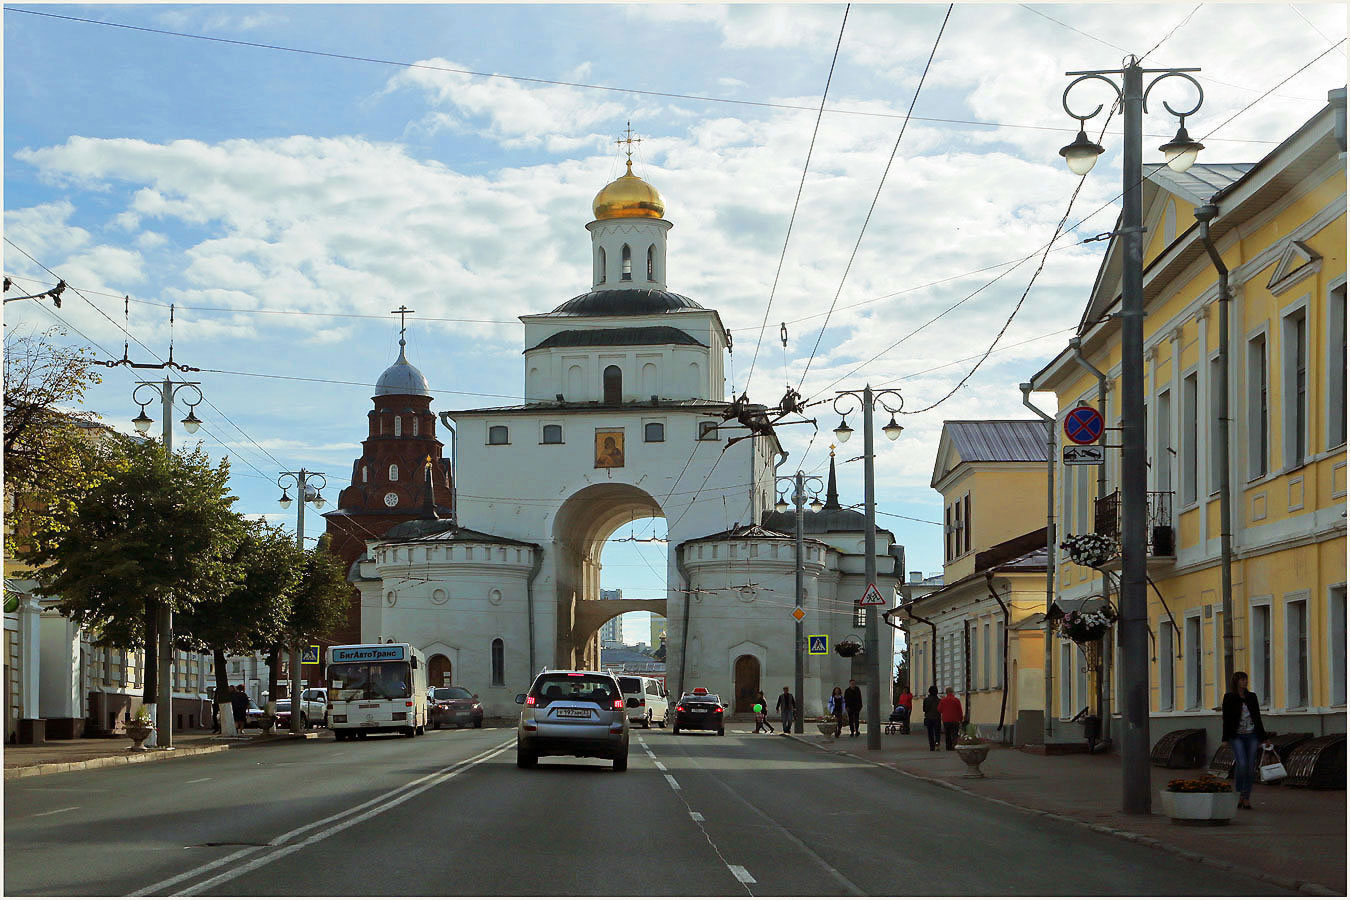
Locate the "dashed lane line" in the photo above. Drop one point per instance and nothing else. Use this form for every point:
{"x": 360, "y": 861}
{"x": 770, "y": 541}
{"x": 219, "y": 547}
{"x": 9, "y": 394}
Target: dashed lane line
{"x": 660, "y": 765}
{"x": 696, "y": 816}
{"x": 674, "y": 785}
{"x": 53, "y": 812}
{"x": 198, "y": 780}
{"x": 741, "y": 874}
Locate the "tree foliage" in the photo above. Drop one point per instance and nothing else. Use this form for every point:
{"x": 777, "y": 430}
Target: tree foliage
{"x": 321, "y": 598}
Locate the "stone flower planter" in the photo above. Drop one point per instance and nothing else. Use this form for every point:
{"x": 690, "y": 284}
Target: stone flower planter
{"x": 138, "y": 732}
{"x": 972, "y": 755}
{"x": 1216, "y": 807}
{"x": 826, "y": 728}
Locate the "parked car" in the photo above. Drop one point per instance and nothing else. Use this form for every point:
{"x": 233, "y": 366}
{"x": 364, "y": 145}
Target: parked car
{"x": 699, "y": 710}
{"x": 645, "y": 700}
{"x": 313, "y": 709}
{"x": 254, "y": 717}
{"x": 456, "y": 706}
{"x": 572, "y": 714}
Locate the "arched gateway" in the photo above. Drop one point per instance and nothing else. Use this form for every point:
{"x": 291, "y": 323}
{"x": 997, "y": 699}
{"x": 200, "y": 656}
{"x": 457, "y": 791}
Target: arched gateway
{"x": 622, "y": 419}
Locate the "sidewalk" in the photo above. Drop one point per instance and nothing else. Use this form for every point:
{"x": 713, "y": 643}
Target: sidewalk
{"x": 23, "y": 760}
{"x": 1292, "y": 836}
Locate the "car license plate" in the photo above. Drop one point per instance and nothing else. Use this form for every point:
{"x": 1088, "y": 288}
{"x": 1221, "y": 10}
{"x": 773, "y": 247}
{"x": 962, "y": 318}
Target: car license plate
{"x": 367, "y": 706}
{"x": 574, "y": 713}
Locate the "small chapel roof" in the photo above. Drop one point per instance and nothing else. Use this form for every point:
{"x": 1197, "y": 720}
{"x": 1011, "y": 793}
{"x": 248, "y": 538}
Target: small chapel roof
{"x": 618, "y": 337}
{"x": 444, "y": 531}
{"x": 630, "y": 302}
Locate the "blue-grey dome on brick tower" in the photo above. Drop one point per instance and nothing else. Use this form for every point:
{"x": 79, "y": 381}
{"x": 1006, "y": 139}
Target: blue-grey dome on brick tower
{"x": 402, "y": 378}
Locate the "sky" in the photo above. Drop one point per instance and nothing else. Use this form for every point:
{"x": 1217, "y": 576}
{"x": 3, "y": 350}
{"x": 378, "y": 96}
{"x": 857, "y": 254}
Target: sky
{"x": 445, "y": 157}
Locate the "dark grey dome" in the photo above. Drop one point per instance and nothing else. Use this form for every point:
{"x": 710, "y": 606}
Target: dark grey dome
{"x": 635, "y": 302}
{"x": 402, "y": 378}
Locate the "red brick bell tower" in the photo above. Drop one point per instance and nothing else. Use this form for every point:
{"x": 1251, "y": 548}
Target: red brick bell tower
{"x": 389, "y": 483}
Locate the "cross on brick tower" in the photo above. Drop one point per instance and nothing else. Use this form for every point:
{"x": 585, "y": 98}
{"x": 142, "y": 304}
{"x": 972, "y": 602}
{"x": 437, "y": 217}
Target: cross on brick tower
{"x": 402, "y": 312}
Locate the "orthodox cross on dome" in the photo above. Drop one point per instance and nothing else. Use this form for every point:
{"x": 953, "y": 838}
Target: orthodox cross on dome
{"x": 402, "y": 312}
{"x": 628, "y": 140}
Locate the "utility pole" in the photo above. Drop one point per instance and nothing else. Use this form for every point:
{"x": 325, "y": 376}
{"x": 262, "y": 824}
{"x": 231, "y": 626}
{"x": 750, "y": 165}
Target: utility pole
{"x": 307, "y": 494}
{"x": 1081, "y": 155}
{"x": 798, "y": 483}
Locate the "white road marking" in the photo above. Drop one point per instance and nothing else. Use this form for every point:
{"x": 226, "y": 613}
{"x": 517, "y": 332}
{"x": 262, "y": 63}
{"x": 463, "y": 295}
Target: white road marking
{"x": 675, "y": 785}
{"x": 198, "y": 780}
{"x": 398, "y": 792}
{"x": 660, "y": 765}
{"x": 53, "y": 812}
{"x": 697, "y": 817}
{"x": 742, "y": 876}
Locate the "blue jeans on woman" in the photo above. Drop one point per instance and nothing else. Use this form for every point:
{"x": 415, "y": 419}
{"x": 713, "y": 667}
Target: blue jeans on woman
{"x": 1245, "y": 749}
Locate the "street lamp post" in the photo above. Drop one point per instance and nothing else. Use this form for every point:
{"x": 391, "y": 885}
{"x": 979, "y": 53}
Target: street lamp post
{"x": 307, "y": 494}
{"x": 164, "y": 620}
{"x": 1081, "y": 155}
{"x": 868, "y": 399}
{"x": 798, "y": 483}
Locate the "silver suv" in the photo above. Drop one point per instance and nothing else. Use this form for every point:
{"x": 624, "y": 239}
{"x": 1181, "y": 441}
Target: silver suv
{"x": 572, "y": 714}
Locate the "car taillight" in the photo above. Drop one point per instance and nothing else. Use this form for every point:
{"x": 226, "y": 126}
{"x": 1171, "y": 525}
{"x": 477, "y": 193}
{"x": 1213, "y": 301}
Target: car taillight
{"x": 530, "y": 700}
{"x": 719, "y": 709}
{"x": 641, "y": 702}
{"x": 618, "y": 704}
{"x": 408, "y": 703}
{"x": 679, "y": 709}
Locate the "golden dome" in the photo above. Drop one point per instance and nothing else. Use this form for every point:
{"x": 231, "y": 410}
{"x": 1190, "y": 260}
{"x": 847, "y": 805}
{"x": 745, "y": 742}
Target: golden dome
{"x": 628, "y": 197}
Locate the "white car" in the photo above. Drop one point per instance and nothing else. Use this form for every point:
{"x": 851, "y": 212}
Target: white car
{"x": 645, "y": 700}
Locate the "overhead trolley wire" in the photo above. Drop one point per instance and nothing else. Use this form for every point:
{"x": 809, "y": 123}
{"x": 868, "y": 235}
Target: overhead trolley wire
{"x": 877, "y": 196}
{"x": 797, "y": 200}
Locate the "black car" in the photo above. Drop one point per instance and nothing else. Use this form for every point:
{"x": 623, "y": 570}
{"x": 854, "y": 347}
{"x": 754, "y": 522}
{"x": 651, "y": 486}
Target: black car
{"x": 454, "y": 706}
{"x": 698, "y": 711}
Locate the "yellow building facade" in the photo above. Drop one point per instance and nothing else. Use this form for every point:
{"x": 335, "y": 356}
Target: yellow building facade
{"x": 1281, "y": 232}
{"x": 981, "y": 632}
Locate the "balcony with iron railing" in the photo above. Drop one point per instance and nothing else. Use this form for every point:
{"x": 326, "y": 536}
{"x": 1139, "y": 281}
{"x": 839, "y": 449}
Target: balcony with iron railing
{"x": 1159, "y": 534}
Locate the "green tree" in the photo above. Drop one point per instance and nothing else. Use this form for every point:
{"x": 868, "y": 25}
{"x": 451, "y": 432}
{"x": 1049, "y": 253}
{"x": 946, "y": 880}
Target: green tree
{"x": 318, "y": 605}
{"x": 156, "y": 529}
{"x": 49, "y": 445}
{"x": 247, "y": 613}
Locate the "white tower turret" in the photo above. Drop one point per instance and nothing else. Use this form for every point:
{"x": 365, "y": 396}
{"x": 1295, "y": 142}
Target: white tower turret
{"x": 628, "y": 236}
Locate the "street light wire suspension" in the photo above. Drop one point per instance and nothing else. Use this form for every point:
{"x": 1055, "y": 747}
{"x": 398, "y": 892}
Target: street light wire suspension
{"x": 782, "y": 256}
{"x": 877, "y": 196}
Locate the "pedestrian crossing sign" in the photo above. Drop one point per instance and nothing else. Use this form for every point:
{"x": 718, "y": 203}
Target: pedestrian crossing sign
{"x": 872, "y": 597}
{"x": 310, "y": 655}
{"x": 818, "y": 644}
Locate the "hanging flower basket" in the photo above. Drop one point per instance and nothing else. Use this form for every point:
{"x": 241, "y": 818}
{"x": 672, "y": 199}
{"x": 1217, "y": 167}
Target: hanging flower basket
{"x": 848, "y": 648}
{"x": 1091, "y": 550}
{"x": 1085, "y": 627}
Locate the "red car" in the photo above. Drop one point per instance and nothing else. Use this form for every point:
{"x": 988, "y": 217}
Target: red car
{"x": 456, "y": 706}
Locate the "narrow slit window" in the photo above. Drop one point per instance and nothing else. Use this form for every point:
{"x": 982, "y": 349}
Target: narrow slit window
{"x": 627, "y": 271}
{"x": 651, "y": 263}
{"x": 600, "y": 266}
{"x": 613, "y": 384}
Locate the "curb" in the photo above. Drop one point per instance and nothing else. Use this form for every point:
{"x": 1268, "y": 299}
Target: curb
{"x": 105, "y": 761}
{"x": 1292, "y": 884}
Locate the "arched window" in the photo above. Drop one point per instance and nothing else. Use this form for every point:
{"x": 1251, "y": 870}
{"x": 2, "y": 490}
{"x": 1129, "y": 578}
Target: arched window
{"x": 398, "y": 426}
{"x": 416, "y": 422}
{"x": 498, "y": 661}
{"x": 600, "y": 265}
{"x": 498, "y": 434}
{"x": 627, "y": 264}
{"x": 654, "y": 432}
{"x": 365, "y": 473}
{"x": 552, "y": 434}
{"x": 613, "y": 384}
{"x": 651, "y": 263}
{"x": 393, "y": 473}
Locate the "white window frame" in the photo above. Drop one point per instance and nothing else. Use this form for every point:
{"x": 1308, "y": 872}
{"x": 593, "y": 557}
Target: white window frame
{"x": 1258, "y": 680}
{"x": 1219, "y": 687}
{"x": 986, "y": 661}
{"x": 1167, "y": 687}
{"x": 1162, "y": 440}
{"x": 1258, "y": 423}
{"x": 1335, "y": 366}
{"x": 1216, "y": 389}
{"x": 1065, "y": 685}
{"x": 543, "y": 432}
{"x": 1336, "y": 648}
{"x": 1289, "y": 406}
{"x": 999, "y": 638}
{"x": 1190, "y": 437}
{"x": 1081, "y": 685}
{"x": 1193, "y": 656}
{"x": 1291, "y": 660}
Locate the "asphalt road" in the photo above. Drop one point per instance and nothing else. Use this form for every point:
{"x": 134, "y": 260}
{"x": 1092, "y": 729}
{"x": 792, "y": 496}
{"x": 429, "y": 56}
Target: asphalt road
{"x": 449, "y": 813}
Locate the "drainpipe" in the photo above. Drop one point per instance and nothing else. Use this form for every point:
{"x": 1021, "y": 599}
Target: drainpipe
{"x": 687, "y": 589}
{"x": 529, "y": 600}
{"x": 1103, "y": 690}
{"x": 1025, "y": 388}
{"x": 1204, "y": 214}
{"x": 454, "y": 481}
{"x": 1007, "y": 624}
{"x": 932, "y": 657}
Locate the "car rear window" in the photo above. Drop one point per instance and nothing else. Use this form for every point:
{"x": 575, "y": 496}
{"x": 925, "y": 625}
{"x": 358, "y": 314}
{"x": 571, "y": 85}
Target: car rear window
{"x": 630, "y": 685}
{"x": 701, "y": 698}
{"x": 599, "y": 689}
{"x": 452, "y": 693}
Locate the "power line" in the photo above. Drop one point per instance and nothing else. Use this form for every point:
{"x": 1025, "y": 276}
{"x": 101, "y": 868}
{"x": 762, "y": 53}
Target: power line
{"x": 797, "y": 201}
{"x": 1175, "y": 28}
{"x": 546, "y": 81}
{"x": 877, "y": 196}
{"x": 1092, "y": 37}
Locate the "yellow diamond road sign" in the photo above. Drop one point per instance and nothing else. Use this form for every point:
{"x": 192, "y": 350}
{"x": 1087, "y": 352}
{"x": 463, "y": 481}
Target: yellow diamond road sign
{"x": 798, "y": 614}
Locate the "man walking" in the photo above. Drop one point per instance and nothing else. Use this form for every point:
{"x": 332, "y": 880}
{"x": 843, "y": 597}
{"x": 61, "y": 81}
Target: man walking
{"x": 853, "y": 704}
{"x": 932, "y": 719}
{"x": 240, "y": 704}
{"x": 787, "y": 707}
{"x": 949, "y": 708}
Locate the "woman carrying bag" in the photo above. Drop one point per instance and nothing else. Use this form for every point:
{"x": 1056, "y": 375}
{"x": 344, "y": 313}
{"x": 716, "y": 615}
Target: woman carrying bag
{"x": 1242, "y": 730}
{"x": 837, "y": 709}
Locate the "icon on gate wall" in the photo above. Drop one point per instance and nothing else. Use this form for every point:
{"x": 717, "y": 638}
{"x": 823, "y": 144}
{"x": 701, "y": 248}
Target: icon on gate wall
{"x": 609, "y": 449}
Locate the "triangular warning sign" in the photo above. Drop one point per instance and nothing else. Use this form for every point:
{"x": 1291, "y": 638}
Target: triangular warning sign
{"x": 872, "y": 597}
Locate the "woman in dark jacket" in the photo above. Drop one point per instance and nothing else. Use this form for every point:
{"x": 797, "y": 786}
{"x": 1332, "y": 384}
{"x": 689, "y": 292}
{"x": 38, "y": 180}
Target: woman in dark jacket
{"x": 932, "y": 719}
{"x": 1242, "y": 730}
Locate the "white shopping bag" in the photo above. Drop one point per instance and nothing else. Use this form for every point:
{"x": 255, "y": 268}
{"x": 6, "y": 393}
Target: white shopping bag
{"x": 1271, "y": 767}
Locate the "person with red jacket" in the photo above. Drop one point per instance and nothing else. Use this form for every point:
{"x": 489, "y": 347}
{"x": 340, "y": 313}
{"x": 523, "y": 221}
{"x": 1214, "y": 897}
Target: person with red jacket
{"x": 949, "y": 708}
{"x": 905, "y": 702}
